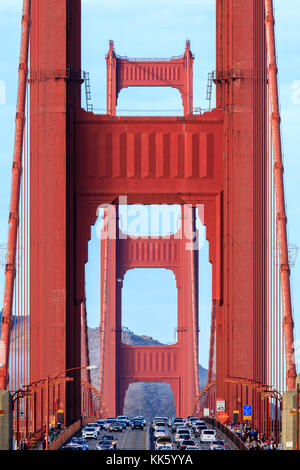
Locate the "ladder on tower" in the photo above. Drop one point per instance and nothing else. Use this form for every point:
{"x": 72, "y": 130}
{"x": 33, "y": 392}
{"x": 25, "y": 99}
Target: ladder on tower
{"x": 86, "y": 77}
{"x": 209, "y": 87}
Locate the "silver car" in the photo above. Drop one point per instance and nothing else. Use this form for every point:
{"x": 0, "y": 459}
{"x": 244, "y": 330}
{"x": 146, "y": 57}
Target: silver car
{"x": 208, "y": 435}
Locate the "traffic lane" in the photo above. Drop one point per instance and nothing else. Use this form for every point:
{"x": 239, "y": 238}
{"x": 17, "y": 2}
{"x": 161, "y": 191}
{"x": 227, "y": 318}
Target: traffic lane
{"x": 136, "y": 440}
{"x": 126, "y": 440}
{"x": 201, "y": 445}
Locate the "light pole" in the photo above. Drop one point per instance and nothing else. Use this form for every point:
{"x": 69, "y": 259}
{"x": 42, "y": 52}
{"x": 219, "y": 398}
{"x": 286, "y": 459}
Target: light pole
{"x": 32, "y": 387}
{"x": 48, "y": 382}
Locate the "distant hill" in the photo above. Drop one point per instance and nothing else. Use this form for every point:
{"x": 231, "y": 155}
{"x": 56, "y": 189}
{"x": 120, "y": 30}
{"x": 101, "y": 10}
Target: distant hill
{"x": 147, "y": 399}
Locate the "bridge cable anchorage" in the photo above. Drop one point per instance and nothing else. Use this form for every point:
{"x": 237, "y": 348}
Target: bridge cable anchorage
{"x": 15, "y": 193}
{"x": 279, "y": 195}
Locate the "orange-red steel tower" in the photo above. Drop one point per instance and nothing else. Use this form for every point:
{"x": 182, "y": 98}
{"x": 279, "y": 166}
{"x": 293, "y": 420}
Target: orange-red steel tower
{"x": 79, "y": 160}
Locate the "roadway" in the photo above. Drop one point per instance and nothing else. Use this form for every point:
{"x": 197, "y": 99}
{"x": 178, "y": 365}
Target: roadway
{"x": 143, "y": 440}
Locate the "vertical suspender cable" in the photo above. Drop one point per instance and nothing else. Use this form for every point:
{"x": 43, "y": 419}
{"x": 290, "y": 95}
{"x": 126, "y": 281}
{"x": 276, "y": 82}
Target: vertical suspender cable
{"x": 104, "y": 301}
{"x": 194, "y": 310}
{"x": 15, "y": 196}
{"x": 281, "y": 220}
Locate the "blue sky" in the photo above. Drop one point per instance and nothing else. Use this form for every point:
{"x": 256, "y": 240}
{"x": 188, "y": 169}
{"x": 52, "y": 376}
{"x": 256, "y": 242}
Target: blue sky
{"x": 157, "y": 28}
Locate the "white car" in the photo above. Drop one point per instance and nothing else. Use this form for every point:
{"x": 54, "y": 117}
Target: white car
{"x": 189, "y": 421}
{"x": 160, "y": 432}
{"x": 198, "y": 422}
{"x": 208, "y": 435}
{"x": 218, "y": 445}
{"x": 159, "y": 425}
{"x": 124, "y": 418}
{"x": 90, "y": 432}
{"x": 182, "y": 433}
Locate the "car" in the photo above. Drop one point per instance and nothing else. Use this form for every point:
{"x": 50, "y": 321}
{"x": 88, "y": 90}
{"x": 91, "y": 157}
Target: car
{"x": 208, "y": 435}
{"x": 164, "y": 441}
{"x": 116, "y": 427}
{"x": 137, "y": 424}
{"x": 79, "y": 441}
{"x": 159, "y": 424}
{"x": 190, "y": 419}
{"x": 198, "y": 422}
{"x": 142, "y": 418}
{"x": 109, "y": 422}
{"x": 176, "y": 422}
{"x": 165, "y": 419}
{"x": 185, "y": 435}
{"x": 96, "y": 425}
{"x": 101, "y": 423}
{"x": 124, "y": 418}
{"x": 186, "y": 442}
{"x": 194, "y": 447}
{"x": 217, "y": 445}
{"x": 71, "y": 447}
{"x": 164, "y": 447}
{"x": 198, "y": 429}
{"x": 181, "y": 431}
{"x": 160, "y": 418}
{"x": 90, "y": 432}
{"x": 160, "y": 432}
{"x": 123, "y": 424}
{"x": 109, "y": 438}
{"x": 181, "y": 427}
{"x": 105, "y": 445}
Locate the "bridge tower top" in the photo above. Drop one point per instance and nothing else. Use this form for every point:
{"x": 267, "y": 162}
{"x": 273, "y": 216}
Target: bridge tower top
{"x": 176, "y": 72}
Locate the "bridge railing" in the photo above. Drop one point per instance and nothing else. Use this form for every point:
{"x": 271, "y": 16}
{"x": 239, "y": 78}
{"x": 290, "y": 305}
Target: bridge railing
{"x": 230, "y": 434}
{"x": 69, "y": 432}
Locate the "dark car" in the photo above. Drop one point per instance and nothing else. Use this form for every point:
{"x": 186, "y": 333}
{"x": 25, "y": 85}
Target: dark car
{"x": 137, "y": 424}
{"x": 199, "y": 429}
{"x": 105, "y": 445}
{"x": 109, "y": 438}
{"x": 186, "y": 442}
{"x": 117, "y": 427}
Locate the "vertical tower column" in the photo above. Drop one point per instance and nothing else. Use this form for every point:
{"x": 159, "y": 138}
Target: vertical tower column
{"x": 241, "y": 92}
{"x": 54, "y": 97}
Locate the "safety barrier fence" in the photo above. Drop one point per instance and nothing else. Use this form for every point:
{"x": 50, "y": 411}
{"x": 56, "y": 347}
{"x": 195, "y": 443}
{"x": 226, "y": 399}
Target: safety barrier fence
{"x": 69, "y": 432}
{"x": 228, "y": 433}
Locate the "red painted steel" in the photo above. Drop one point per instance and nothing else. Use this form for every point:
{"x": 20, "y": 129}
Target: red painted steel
{"x": 10, "y": 270}
{"x": 212, "y": 345}
{"x": 241, "y": 93}
{"x": 80, "y": 160}
{"x": 174, "y": 364}
{"x": 123, "y": 72}
{"x": 55, "y": 90}
{"x": 281, "y": 219}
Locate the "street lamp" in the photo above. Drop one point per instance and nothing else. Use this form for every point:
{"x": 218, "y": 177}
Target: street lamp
{"x": 48, "y": 382}
{"x": 24, "y": 390}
